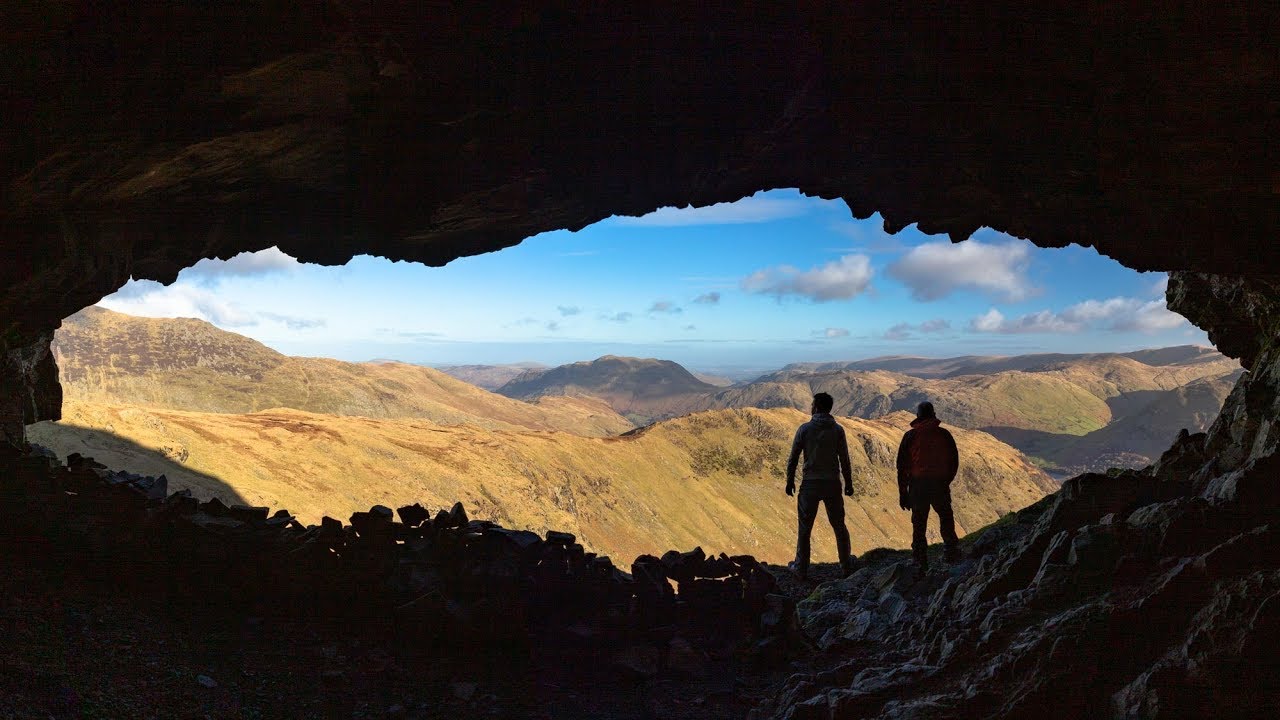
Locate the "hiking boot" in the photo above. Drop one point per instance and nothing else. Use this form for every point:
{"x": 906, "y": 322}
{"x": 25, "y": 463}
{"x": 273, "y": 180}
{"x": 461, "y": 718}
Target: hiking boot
{"x": 851, "y": 566}
{"x": 803, "y": 574}
{"x": 953, "y": 555}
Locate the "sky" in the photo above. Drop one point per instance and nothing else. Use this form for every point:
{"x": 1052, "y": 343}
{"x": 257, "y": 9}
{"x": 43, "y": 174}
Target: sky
{"x": 773, "y": 278}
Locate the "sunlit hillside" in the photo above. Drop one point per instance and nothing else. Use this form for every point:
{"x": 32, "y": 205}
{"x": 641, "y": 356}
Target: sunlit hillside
{"x": 713, "y": 479}
{"x": 188, "y": 364}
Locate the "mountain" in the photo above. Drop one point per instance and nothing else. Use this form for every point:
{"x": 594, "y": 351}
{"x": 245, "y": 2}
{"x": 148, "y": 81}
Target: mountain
{"x": 1012, "y": 399}
{"x": 1071, "y": 412}
{"x": 188, "y": 364}
{"x": 1137, "y": 437}
{"x": 712, "y": 479}
{"x": 489, "y": 377}
{"x": 642, "y": 389}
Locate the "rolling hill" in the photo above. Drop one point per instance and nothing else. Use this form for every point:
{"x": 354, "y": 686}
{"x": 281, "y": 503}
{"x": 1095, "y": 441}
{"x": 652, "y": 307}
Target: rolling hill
{"x": 642, "y": 389}
{"x": 712, "y": 479}
{"x": 1044, "y": 404}
{"x": 187, "y": 364}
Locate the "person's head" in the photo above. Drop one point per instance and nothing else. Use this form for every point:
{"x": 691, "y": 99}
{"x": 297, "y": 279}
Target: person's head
{"x": 925, "y": 410}
{"x": 822, "y": 403}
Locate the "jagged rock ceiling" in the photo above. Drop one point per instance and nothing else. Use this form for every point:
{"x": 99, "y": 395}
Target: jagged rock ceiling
{"x": 138, "y": 140}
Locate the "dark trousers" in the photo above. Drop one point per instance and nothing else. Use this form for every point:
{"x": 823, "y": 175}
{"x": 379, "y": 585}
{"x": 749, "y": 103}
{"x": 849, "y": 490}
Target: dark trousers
{"x": 807, "y": 500}
{"x": 926, "y": 493}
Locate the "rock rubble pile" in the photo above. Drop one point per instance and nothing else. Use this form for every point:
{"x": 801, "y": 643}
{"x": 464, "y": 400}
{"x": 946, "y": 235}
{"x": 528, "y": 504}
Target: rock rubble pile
{"x": 435, "y": 579}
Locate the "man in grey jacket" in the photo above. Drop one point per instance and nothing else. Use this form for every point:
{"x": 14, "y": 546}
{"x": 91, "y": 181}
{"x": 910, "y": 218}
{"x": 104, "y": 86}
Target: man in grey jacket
{"x": 826, "y": 457}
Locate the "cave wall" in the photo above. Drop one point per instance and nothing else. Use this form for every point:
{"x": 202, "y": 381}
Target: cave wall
{"x": 140, "y": 139}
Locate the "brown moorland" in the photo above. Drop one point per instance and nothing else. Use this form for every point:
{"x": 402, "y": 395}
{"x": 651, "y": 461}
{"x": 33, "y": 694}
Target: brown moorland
{"x": 188, "y": 364}
{"x": 712, "y": 479}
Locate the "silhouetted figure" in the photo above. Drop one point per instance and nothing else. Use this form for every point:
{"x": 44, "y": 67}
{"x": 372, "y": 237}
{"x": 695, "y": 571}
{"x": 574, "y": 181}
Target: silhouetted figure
{"x": 927, "y": 463}
{"x": 826, "y": 456}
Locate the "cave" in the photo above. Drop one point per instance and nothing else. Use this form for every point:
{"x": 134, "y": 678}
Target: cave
{"x": 138, "y": 142}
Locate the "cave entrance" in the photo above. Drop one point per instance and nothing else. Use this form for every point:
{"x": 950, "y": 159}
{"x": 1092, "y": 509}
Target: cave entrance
{"x": 637, "y": 381}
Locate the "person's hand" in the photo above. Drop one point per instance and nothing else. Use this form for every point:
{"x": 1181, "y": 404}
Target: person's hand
{"x": 904, "y": 502}
{"x": 848, "y": 491}
{"x": 791, "y": 489}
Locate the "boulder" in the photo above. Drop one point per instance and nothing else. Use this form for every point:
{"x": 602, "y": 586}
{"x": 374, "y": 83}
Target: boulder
{"x": 457, "y": 515}
{"x": 413, "y": 515}
{"x": 215, "y": 507}
{"x": 249, "y": 513}
{"x": 555, "y": 537}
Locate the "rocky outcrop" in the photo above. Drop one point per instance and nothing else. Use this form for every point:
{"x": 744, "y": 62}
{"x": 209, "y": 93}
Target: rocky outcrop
{"x": 29, "y": 389}
{"x": 1123, "y": 597}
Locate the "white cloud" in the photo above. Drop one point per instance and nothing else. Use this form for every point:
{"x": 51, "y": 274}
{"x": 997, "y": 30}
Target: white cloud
{"x": 1161, "y": 285}
{"x": 934, "y": 325}
{"x": 1149, "y": 317}
{"x": 990, "y": 321}
{"x": 904, "y": 331}
{"x": 901, "y": 331}
{"x": 195, "y": 293}
{"x": 755, "y": 209}
{"x": 1119, "y": 314}
{"x": 293, "y": 322}
{"x": 935, "y": 270}
{"x": 840, "y": 279}
{"x": 552, "y": 326}
{"x": 711, "y": 298}
{"x": 666, "y": 307}
{"x": 833, "y": 332}
{"x": 248, "y": 264}
{"x": 151, "y": 299}
{"x": 621, "y": 317}
{"x": 567, "y": 310}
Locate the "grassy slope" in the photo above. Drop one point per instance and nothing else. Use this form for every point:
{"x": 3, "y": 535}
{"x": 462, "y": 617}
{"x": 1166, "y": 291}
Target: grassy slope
{"x": 712, "y": 479}
{"x": 1013, "y": 399}
{"x": 190, "y": 365}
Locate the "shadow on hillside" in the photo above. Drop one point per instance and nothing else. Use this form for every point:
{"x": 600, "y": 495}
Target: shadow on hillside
{"x": 1035, "y": 443}
{"x": 1128, "y": 403}
{"x": 122, "y": 454}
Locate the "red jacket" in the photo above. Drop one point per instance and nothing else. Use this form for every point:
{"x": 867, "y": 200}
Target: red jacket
{"x": 927, "y": 452}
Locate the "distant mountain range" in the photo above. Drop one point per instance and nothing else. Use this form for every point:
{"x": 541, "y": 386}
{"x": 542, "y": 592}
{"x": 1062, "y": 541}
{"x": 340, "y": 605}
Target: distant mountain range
{"x": 187, "y": 364}
{"x": 1071, "y": 412}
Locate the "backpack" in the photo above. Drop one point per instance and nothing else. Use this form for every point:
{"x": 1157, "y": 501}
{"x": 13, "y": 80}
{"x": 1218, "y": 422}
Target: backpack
{"x": 930, "y": 453}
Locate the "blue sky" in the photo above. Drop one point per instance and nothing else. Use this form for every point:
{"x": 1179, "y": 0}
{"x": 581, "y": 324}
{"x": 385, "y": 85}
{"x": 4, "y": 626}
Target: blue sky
{"x": 774, "y": 278}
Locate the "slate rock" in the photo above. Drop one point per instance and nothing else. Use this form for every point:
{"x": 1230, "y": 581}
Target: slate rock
{"x": 555, "y": 537}
{"x": 413, "y": 515}
{"x": 215, "y": 507}
{"x": 457, "y": 515}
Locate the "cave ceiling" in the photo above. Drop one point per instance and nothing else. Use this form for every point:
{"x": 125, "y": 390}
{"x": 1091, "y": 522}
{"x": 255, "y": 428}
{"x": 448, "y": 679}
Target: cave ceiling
{"x": 140, "y": 139}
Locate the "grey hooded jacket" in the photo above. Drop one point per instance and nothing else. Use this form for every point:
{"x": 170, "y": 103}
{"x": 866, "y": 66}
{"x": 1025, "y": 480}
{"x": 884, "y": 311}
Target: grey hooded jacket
{"x": 826, "y": 452}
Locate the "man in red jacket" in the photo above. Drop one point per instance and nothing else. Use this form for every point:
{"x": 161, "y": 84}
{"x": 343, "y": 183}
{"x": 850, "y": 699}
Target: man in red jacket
{"x": 927, "y": 463}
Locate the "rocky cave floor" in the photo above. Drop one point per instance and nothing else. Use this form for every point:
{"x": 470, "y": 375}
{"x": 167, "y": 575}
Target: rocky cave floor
{"x": 1129, "y": 595}
{"x": 76, "y": 649}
